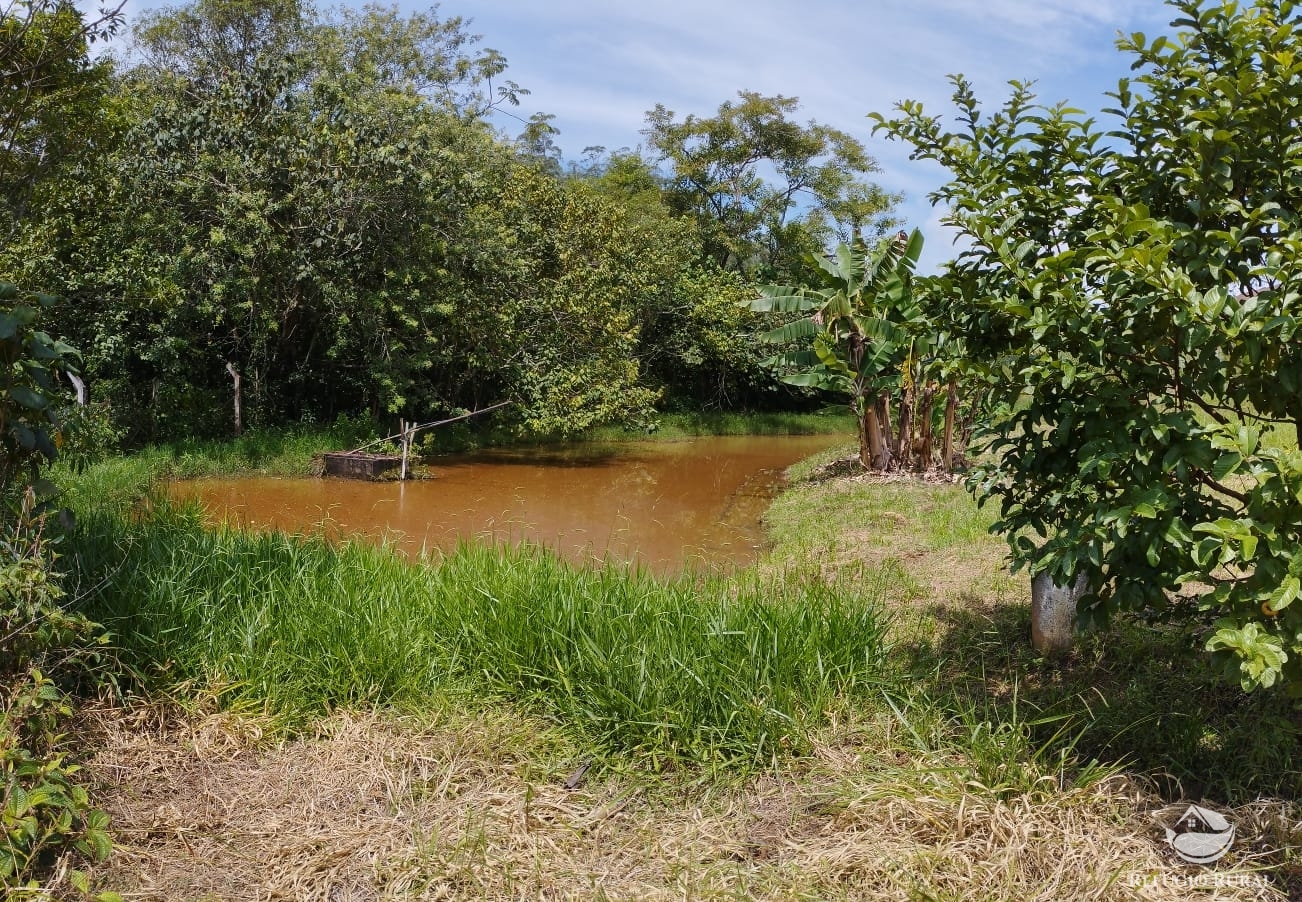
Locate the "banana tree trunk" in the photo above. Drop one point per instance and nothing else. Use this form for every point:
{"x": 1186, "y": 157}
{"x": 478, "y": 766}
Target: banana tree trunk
{"x": 879, "y": 452}
{"x": 951, "y": 411}
{"x": 904, "y": 440}
{"x": 884, "y": 418}
{"x": 926, "y": 410}
{"x": 865, "y": 442}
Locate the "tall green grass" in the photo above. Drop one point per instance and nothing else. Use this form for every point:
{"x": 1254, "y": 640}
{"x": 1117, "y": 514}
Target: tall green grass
{"x": 669, "y": 426}
{"x": 272, "y": 452}
{"x": 120, "y": 481}
{"x": 688, "y": 669}
{"x": 690, "y": 424}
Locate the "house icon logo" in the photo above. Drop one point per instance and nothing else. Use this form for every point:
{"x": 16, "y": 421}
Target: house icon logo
{"x": 1200, "y": 836}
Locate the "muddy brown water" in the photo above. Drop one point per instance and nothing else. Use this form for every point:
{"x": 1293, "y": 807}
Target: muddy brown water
{"x": 666, "y": 505}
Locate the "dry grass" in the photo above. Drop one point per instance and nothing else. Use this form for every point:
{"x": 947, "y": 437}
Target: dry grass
{"x": 956, "y": 798}
{"x": 469, "y": 806}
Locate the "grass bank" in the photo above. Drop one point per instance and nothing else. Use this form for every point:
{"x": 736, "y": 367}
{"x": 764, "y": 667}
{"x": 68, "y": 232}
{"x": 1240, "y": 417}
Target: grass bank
{"x": 1137, "y": 695}
{"x": 689, "y": 669}
{"x": 121, "y": 479}
{"x": 860, "y": 717}
{"x": 682, "y": 425}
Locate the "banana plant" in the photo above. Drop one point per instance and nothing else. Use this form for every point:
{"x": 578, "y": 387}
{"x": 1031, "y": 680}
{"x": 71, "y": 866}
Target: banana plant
{"x": 860, "y": 328}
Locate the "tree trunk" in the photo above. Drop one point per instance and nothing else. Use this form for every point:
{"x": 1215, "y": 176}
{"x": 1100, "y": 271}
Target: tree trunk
{"x": 405, "y": 427}
{"x": 153, "y": 408}
{"x": 878, "y": 450}
{"x": 1053, "y": 612}
{"x": 951, "y": 410}
{"x": 904, "y": 441}
{"x": 865, "y": 443}
{"x": 925, "y": 411}
{"x": 239, "y": 399}
{"x": 884, "y": 418}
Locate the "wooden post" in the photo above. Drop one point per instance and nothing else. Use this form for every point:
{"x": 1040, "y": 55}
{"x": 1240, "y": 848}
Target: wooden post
{"x": 406, "y": 446}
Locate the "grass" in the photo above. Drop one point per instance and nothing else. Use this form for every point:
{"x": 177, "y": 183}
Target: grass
{"x": 693, "y": 669}
{"x": 696, "y": 669}
{"x": 676, "y": 426}
{"x": 668, "y": 426}
{"x": 860, "y": 717}
{"x": 1136, "y": 694}
{"x": 269, "y": 452}
{"x": 481, "y": 805}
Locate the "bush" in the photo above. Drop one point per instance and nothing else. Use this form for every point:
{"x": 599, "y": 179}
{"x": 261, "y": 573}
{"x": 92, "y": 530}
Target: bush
{"x": 89, "y": 434}
{"x": 1145, "y": 426}
{"x": 44, "y": 813}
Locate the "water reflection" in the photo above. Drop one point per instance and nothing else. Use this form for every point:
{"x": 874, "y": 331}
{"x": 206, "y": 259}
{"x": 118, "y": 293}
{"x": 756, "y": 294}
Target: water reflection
{"x": 664, "y": 504}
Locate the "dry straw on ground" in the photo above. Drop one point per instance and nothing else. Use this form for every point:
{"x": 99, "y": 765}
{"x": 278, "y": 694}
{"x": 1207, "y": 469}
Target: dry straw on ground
{"x": 475, "y": 807}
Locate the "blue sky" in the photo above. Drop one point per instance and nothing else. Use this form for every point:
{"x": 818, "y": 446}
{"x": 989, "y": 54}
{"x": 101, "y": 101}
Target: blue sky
{"x": 599, "y": 66}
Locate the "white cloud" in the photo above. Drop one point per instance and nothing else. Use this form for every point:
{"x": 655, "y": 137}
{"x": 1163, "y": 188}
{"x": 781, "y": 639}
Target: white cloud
{"x": 599, "y": 65}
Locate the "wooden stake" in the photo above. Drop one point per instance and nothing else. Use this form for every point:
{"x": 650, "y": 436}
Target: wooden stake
{"x": 406, "y": 446}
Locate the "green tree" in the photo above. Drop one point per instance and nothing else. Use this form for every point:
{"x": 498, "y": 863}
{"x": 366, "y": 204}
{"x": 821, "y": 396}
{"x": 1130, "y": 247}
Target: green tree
{"x": 49, "y": 115}
{"x": 204, "y": 42}
{"x": 765, "y": 190}
{"x": 211, "y": 40}
{"x": 32, "y": 363}
{"x": 1146, "y": 428}
{"x": 861, "y": 334}
{"x": 696, "y": 341}
{"x": 317, "y": 233}
{"x": 49, "y": 96}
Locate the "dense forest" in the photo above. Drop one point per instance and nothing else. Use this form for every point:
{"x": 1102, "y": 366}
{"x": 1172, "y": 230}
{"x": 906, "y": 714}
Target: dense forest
{"x": 260, "y": 213}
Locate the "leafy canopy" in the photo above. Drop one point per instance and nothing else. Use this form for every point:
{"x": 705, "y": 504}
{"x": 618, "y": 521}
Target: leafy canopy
{"x": 1149, "y": 282}
{"x": 765, "y": 189}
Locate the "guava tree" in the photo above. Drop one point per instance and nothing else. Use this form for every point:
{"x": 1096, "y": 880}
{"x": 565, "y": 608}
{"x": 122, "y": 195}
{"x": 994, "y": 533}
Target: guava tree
{"x": 1148, "y": 276}
{"x": 859, "y": 330}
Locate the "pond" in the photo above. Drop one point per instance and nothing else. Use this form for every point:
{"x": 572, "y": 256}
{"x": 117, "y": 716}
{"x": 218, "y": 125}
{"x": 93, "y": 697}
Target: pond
{"x": 666, "y": 505}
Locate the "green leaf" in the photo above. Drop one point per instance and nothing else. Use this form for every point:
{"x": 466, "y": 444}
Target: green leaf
{"x": 100, "y": 844}
{"x": 1261, "y": 656}
{"x": 1226, "y": 464}
{"x": 781, "y": 299}
{"x": 1286, "y": 594}
{"x": 28, "y": 398}
{"x": 801, "y": 328}
{"x": 25, "y": 436}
